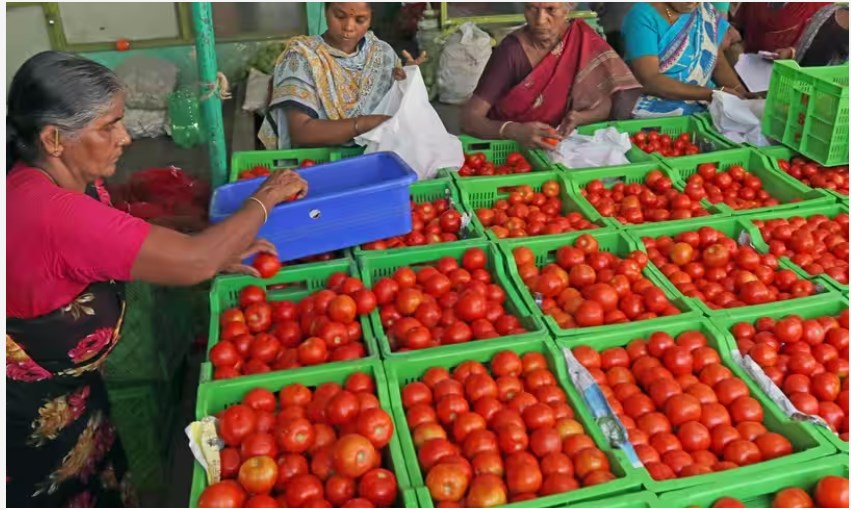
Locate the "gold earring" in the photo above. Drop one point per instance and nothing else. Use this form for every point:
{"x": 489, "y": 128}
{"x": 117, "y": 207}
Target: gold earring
{"x": 56, "y": 142}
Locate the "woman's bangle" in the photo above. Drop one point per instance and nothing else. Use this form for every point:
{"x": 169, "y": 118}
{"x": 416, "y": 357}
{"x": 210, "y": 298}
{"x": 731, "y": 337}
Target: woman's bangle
{"x": 265, "y": 211}
{"x": 503, "y": 126}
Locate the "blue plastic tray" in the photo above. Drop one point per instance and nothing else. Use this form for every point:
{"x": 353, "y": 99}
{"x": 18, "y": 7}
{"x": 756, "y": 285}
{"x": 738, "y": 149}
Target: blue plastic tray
{"x": 349, "y": 202}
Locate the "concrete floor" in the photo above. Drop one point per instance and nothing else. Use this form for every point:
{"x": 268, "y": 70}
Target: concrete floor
{"x": 162, "y": 152}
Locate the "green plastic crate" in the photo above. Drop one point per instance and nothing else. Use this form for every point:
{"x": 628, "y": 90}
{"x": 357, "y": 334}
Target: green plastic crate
{"x": 375, "y": 266}
{"x": 212, "y": 400}
{"x": 429, "y": 191}
{"x": 478, "y": 193}
{"x": 829, "y": 210}
{"x": 497, "y": 151}
{"x": 612, "y": 241}
{"x": 808, "y": 308}
{"x": 777, "y": 183}
{"x": 707, "y": 140}
{"x": 145, "y": 416}
{"x": 303, "y": 279}
{"x": 731, "y": 227}
{"x": 778, "y": 152}
{"x": 400, "y": 373}
{"x": 807, "y": 443}
{"x": 288, "y": 158}
{"x": 807, "y": 110}
{"x": 759, "y": 492}
{"x": 626, "y": 174}
{"x": 633, "y": 155}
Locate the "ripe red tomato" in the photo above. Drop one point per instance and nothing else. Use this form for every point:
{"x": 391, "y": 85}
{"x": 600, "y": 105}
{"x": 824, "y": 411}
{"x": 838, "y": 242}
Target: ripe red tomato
{"x": 224, "y": 494}
{"x": 354, "y": 455}
{"x": 258, "y": 474}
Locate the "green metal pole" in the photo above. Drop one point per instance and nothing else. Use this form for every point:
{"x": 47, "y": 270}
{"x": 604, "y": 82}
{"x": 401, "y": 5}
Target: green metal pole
{"x": 210, "y": 95}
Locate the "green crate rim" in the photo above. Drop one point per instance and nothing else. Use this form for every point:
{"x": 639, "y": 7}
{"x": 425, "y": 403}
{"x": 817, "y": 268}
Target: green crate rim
{"x": 767, "y": 483}
{"x": 808, "y": 308}
{"x": 427, "y": 189}
{"x": 397, "y": 370}
{"x": 470, "y": 144}
{"x": 314, "y": 274}
{"x": 243, "y": 160}
{"x": 552, "y": 243}
{"x": 570, "y": 203}
{"x": 774, "y": 153}
{"x": 821, "y": 447}
{"x": 734, "y": 224}
{"x": 628, "y": 173}
{"x": 390, "y": 261}
{"x": 829, "y": 210}
{"x": 757, "y": 164}
{"x": 310, "y": 376}
{"x": 674, "y": 125}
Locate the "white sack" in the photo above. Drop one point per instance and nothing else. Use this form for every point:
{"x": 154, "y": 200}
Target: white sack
{"x": 462, "y": 62}
{"x": 146, "y": 123}
{"x": 738, "y": 119}
{"x": 148, "y": 82}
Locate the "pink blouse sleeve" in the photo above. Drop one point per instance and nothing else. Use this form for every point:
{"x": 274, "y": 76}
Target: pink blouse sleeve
{"x": 93, "y": 241}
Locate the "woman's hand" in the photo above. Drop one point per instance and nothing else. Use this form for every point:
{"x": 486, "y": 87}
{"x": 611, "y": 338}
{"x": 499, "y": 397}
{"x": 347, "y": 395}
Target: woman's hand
{"x": 571, "y": 120}
{"x": 281, "y": 186}
{"x": 399, "y": 74}
{"x": 411, "y": 61}
{"x": 533, "y": 135}
{"x": 258, "y": 246}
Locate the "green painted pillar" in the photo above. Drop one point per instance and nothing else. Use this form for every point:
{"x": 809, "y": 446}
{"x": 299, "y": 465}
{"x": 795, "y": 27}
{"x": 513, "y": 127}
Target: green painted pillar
{"x": 316, "y": 23}
{"x": 210, "y": 95}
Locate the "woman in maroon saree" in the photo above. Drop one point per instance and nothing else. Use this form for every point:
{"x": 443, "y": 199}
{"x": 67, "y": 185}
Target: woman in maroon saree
{"x": 546, "y": 78}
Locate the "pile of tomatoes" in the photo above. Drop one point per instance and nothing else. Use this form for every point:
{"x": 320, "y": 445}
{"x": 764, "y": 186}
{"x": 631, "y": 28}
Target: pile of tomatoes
{"x": 817, "y": 176}
{"x": 486, "y": 436}
{"x": 686, "y": 413}
{"x": 670, "y": 147}
{"x": 829, "y": 492}
{"x": 259, "y": 336}
{"x": 432, "y": 223}
{"x": 654, "y": 200}
{"x": 443, "y": 304}
{"x": 529, "y": 213}
{"x": 807, "y": 359}
{"x": 477, "y": 165}
{"x": 710, "y": 266}
{"x": 589, "y": 287}
{"x": 818, "y": 244}
{"x": 736, "y": 187}
{"x": 262, "y": 171}
{"x": 305, "y": 448}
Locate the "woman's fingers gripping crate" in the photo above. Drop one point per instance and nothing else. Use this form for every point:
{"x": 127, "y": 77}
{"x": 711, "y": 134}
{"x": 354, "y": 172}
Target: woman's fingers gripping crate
{"x": 229, "y": 296}
{"x": 502, "y": 207}
{"x": 807, "y": 110}
{"x": 490, "y": 155}
{"x": 713, "y": 406}
{"x": 481, "y": 355}
{"x": 438, "y": 211}
{"x": 761, "y": 491}
{"x": 717, "y": 236}
{"x": 568, "y": 297}
{"x": 757, "y": 223}
{"x": 821, "y": 308}
{"x": 615, "y": 193}
{"x": 717, "y": 173}
{"x": 459, "y": 321}
{"x": 214, "y": 399}
{"x": 251, "y": 164}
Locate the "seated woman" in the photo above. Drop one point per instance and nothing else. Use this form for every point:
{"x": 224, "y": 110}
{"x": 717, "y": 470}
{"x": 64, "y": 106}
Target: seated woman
{"x": 771, "y": 26}
{"x": 675, "y": 50}
{"x": 824, "y": 39}
{"x": 325, "y": 86}
{"x": 551, "y": 73}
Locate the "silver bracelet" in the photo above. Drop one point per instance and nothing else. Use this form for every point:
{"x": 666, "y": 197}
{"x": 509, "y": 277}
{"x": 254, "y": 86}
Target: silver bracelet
{"x": 503, "y": 126}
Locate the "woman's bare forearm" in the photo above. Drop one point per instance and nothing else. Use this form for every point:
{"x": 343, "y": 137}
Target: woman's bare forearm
{"x": 724, "y": 74}
{"x": 669, "y": 88}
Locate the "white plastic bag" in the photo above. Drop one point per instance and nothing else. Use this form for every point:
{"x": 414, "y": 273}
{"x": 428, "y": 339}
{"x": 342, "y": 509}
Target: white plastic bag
{"x": 738, "y": 119}
{"x": 607, "y": 147}
{"x": 145, "y": 123}
{"x": 414, "y": 131}
{"x": 256, "y": 91}
{"x": 462, "y": 62}
{"x": 148, "y": 82}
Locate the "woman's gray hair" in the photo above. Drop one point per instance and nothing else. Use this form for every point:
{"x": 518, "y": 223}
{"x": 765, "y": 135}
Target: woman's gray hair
{"x": 54, "y": 89}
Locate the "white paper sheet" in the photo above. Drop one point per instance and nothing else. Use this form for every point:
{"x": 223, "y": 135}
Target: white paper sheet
{"x": 755, "y": 71}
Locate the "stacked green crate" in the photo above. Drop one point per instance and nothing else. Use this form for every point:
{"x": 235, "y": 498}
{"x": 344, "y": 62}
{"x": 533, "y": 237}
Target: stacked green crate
{"x": 377, "y": 265}
{"x": 789, "y": 192}
{"x": 820, "y": 306}
{"x": 734, "y": 228}
{"x": 412, "y": 368}
{"x": 807, "y": 442}
{"x": 213, "y": 399}
{"x": 612, "y": 241}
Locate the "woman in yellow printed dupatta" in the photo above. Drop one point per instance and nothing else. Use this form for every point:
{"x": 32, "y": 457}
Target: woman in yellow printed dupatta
{"x": 326, "y": 86}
